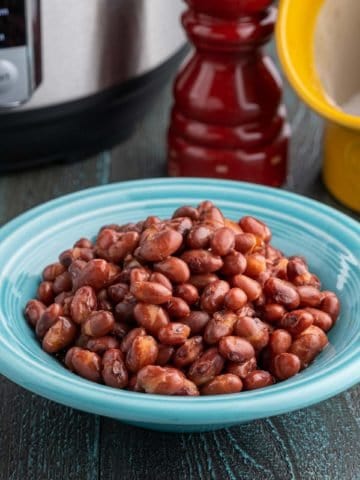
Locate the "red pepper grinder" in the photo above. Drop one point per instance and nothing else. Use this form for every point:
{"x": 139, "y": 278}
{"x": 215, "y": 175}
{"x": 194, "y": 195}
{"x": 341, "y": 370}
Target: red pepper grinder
{"x": 228, "y": 120}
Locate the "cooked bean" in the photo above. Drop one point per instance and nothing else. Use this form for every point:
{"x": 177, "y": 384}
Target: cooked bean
{"x": 48, "y": 319}
{"x": 222, "y": 384}
{"x": 236, "y": 349}
{"x": 150, "y": 292}
{"x": 157, "y": 277}
{"x": 235, "y": 299}
{"x": 196, "y": 320}
{"x": 307, "y": 279}
{"x": 199, "y": 237}
{"x": 273, "y": 312}
{"x": 286, "y": 365}
{"x": 258, "y": 379}
{"x": 213, "y": 296}
{"x": 321, "y": 319}
{"x": 165, "y": 354}
{"x": 188, "y": 389}
{"x": 114, "y": 246}
{"x": 206, "y": 367}
{"x": 177, "y": 308}
{"x": 296, "y": 266}
{"x": 222, "y": 241}
{"x": 246, "y": 311}
{"x": 309, "y": 296}
{"x": 256, "y": 227}
{"x": 45, "y": 293}
{"x": 202, "y": 261}
{"x": 234, "y": 264}
{"x": 62, "y": 283}
{"x": 246, "y": 242}
{"x": 181, "y": 224}
{"x": 160, "y": 245}
{"x": 82, "y": 304}
{"x": 213, "y": 217}
{"x": 160, "y": 380}
{"x": 220, "y": 325}
{"x": 59, "y": 335}
{"x": 124, "y": 311}
{"x": 187, "y": 292}
{"x": 188, "y": 352}
{"x": 279, "y": 268}
{"x": 308, "y": 345}
{"x": 187, "y": 211}
{"x": 130, "y": 337}
{"x": 330, "y": 304}
{"x": 101, "y": 344}
{"x": 117, "y": 292}
{"x": 139, "y": 275}
{"x": 120, "y": 329}
{"x": 202, "y": 280}
{"x": 52, "y": 271}
{"x": 255, "y": 265}
{"x": 83, "y": 243}
{"x": 174, "y": 269}
{"x": 151, "y": 317}
{"x": 234, "y": 226}
{"x": 296, "y": 321}
{"x": 143, "y": 351}
{"x": 98, "y": 324}
{"x": 174, "y": 333}
{"x": 243, "y": 368}
{"x": 95, "y": 274}
{"x": 114, "y": 372}
{"x": 251, "y": 287}
{"x": 85, "y": 363}
{"x": 279, "y": 341}
{"x": 282, "y": 292}
{"x": 253, "y": 330}
{"x": 33, "y": 311}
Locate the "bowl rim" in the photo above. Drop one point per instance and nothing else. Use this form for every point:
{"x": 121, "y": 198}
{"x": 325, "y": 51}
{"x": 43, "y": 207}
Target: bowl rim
{"x": 68, "y": 389}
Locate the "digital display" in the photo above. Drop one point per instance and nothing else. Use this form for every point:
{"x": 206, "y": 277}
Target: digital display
{"x": 12, "y": 23}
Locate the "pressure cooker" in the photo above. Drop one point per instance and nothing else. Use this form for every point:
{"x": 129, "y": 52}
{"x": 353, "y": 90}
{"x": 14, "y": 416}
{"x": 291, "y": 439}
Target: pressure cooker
{"x": 77, "y": 75}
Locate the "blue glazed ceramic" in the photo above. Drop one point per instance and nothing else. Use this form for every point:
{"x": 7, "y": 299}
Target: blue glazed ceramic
{"x": 329, "y": 240}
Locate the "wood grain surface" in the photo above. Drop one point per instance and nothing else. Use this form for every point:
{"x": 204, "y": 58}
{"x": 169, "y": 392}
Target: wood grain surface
{"x": 40, "y": 440}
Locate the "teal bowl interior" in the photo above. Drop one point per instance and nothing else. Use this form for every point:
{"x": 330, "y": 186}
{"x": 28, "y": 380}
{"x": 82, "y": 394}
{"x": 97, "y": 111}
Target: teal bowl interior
{"x": 328, "y": 239}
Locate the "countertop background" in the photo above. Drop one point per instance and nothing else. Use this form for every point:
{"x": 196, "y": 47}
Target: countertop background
{"x": 42, "y": 440}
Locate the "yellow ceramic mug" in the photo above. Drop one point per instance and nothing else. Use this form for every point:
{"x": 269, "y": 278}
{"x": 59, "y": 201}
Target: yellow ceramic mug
{"x": 318, "y": 44}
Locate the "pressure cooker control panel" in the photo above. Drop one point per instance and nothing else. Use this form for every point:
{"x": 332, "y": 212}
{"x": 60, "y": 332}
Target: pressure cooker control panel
{"x": 20, "y": 51}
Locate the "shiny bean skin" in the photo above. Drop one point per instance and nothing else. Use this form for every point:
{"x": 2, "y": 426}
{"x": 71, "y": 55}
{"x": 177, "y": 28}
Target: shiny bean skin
{"x": 202, "y": 280}
{"x": 202, "y": 261}
{"x": 280, "y": 341}
{"x": 157, "y": 277}
{"x": 309, "y": 296}
{"x": 187, "y": 292}
{"x": 33, "y": 311}
{"x": 296, "y": 321}
{"x": 222, "y": 241}
{"x": 95, "y": 274}
{"x": 242, "y": 369}
{"x": 82, "y": 304}
{"x": 196, "y": 321}
{"x": 213, "y": 296}
{"x": 286, "y": 365}
{"x": 48, "y": 319}
{"x": 255, "y": 265}
{"x": 212, "y": 217}
{"x": 181, "y": 224}
{"x": 175, "y": 269}
{"x": 177, "y": 308}
{"x": 62, "y": 283}
{"x": 187, "y": 211}
{"x": 223, "y": 384}
{"x": 98, "y": 324}
{"x": 236, "y": 349}
{"x": 188, "y": 352}
{"x": 124, "y": 311}
{"x": 151, "y": 317}
{"x": 117, "y": 292}
{"x": 253, "y": 330}
{"x": 150, "y": 292}
{"x": 165, "y": 353}
{"x": 113, "y": 371}
{"x": 130, "y": 337}
{"x": 321, "y": 319}
{"x": 160, "y": 245}
{"x": 296, "y": 266}
{"x": 307, "y": 279}
{"x": 85, "y": 363}
{"x": 256, "y": 227}
{"x": 60, "y": 335}
{"x": 282, "y": 292}
{"x": 120, "y": 329}
{"x": 174, "y": 333}
{"x": 206, "y": 367}
{"x": 188, "y": 389}
{"x": 246, "y": 311}
{"x": 199, "y": 237}
{"x": 273, "y": 312}
{"x": 235, "y": 299}
{"x": 234, "y": 226}
{"x": 114, "y": 247}
{"x": 234, "y": 264}
{"x": 139, "y": 275}
{"x": 52, "y": 271}
{"x": 45, "y": 293}
{"x": 308, "y": 345}
{"x": 258, "y": 379}
{"x": 246, "y": 243}
{"x": 143, "y": 351}
{"x": 160, "y": 380}
{"x": 83, "y": 243}
{"x": 330, "y": 304}
{"x": 220, "y": 325}
{"x": 101, "y": 344}
{"x": 251, "y": 287}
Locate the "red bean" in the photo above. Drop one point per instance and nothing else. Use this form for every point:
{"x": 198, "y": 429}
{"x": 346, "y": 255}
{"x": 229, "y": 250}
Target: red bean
{"x": 150, "y": 292}
{"x": 160, "y": 380}
{"x": 114, "y": 372}
{"x": 48, "y": 319}
{"x": 256, "y": 227}
{"x": 202, "y": 261}
{"x": 221, "y": 384}
{"x": 101, "y": 344}
{"x": 251, "y": 287}
{"x": 273, "y": 312}
{"x": 143, "y": 351}
{"x": 52, "y": 271}
{"x": 174, "y": 333}
{"x": 187, "y": 292}
{"x": 33, "y": 311}
{"x": 151, "y": 317}
{"x": 234, "y": 264}
{"x": 321, "y": 319}
{"x": 199, "y": 237}
{"x": 236, "y": 349}
{"x": 82, "y": 304}
{"x": 45, "y": 293}
{"x": 282, "y": 292}
{"x": 130, "y": 337}
{"x": 296, "y": 321}
{"x": 59, "y": 336}
{"x": 220, "y": 325}
{"x": 196, "y": 320}
{"x": 206, "y": 367}
{"x": 174, "y": 269}
{"x": 159, "y": 245}
{"x": 309, "y": 296}
{"x": 213, "y": 296}
{"x": 286, "y": 365}
{"x": 85, "y": 363}
{"x": 177, "y": 308}
{"x": 253, "y": 330}
{"x": 279, "y": 341}
{"x": 188, "y": 352}
{"x": 222, "y": 241}
{"x": 258, "y": 379}
{"x": 202, "y": 280}
{"x": 98, "y": 324}
{"x": 235, "y": 299}
{"x": 165, "y": 354}
{"x": 330, "y": 304}
{"x": 241, "y": 369}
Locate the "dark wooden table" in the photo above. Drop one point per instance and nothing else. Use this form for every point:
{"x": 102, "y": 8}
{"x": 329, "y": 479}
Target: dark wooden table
{"x": 42, "y": 440}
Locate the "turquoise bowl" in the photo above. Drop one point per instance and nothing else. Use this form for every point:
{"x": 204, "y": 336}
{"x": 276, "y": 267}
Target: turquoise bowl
{"x": 329, "y": 240}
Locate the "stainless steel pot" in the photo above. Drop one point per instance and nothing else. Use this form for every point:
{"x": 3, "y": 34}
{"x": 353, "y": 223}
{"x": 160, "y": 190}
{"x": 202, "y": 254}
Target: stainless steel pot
{"x": 94, "y": 53}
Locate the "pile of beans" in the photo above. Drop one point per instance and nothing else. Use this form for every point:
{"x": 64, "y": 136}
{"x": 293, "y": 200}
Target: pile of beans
{"x": 197, "y": 304}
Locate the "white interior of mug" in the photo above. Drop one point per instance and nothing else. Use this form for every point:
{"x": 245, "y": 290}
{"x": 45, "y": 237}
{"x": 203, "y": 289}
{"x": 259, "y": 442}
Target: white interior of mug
{"x": 337, "y": 55}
